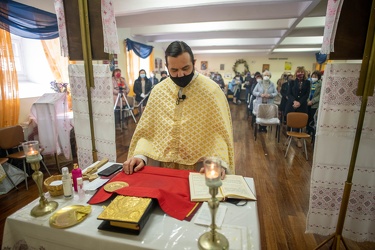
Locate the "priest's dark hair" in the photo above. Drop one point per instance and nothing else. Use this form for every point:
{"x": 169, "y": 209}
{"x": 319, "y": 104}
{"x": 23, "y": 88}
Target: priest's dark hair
{"x": 177, "y": 48}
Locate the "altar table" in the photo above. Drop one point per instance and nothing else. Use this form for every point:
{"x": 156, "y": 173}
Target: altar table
{"x": 160, "y": 232}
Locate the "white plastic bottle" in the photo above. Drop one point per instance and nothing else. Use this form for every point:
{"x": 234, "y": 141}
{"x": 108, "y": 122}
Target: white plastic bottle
{"x": 67, "y": 183}
{"x": 80, "y": 190}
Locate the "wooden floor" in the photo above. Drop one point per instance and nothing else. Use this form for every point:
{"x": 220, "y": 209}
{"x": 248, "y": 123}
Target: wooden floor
{"x": 282, "y": 185}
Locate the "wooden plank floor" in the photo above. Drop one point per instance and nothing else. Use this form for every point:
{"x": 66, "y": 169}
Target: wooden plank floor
{"x": 282, "y": 185}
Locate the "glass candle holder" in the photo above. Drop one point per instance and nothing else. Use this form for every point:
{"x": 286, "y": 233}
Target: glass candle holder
{"x": 212, "y": 170}
{"x": 212, "y": 239}
{"x": 31, "y": 150}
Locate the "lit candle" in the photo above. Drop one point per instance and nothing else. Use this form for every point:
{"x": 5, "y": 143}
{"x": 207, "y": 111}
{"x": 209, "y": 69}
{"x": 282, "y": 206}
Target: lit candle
{"x": 32, "y": 152}
{"x": 212, "y": 172}
{"x": 212, "y": 167}
{"x": 31, "y": 149}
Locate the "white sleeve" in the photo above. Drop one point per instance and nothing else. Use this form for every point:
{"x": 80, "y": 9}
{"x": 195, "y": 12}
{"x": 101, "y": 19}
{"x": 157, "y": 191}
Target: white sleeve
{"x": 225, "y": 166}
{"x": 143, "y": 157}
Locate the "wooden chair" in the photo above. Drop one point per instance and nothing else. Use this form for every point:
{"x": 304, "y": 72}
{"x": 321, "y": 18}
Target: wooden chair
{"x": 11, "y": 138}
{"x": 267, "y": 115}
{"x": 297, "y": 120}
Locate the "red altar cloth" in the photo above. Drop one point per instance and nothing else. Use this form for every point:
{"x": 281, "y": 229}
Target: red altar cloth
{"x": 169, "y": 186}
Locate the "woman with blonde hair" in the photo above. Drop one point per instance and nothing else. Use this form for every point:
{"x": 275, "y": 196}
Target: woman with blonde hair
{"x": 298, "y": 94}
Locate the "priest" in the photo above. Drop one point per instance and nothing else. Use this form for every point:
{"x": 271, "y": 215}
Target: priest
{"x": 186, "y": 119}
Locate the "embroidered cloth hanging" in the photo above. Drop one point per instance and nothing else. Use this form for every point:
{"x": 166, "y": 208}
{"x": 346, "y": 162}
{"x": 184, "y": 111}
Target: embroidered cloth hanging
{"x": 110, "y": 37}
{"x": 102, "y": 113}
{"x": 337, "y": 121}
{"x": 330, "y": 27}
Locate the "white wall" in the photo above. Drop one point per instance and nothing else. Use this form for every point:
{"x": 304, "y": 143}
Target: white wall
{"x": 255, "y": 63}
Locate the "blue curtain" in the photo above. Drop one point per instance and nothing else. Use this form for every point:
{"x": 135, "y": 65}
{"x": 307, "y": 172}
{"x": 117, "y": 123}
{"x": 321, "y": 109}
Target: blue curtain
{"x": 140, "y": 49}
{"x": 26, "y": 21}
{"x": 320, "y": 58}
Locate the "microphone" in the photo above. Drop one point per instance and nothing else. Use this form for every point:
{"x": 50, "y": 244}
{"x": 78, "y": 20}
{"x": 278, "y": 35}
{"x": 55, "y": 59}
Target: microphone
{"x": 180, "y": 96}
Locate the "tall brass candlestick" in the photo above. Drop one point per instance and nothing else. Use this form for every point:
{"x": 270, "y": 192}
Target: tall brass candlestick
{"x": 31, "y": 149}
{"x": 213, "y": 240}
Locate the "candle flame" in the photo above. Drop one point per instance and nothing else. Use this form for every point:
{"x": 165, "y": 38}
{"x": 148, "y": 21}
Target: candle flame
{"x": 32, "y": 152}
{"x": 212, "y": 171}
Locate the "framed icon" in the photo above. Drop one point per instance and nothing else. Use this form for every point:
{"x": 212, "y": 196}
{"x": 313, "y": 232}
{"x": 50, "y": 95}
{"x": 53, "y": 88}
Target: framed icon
{"x": 265, "y": 67}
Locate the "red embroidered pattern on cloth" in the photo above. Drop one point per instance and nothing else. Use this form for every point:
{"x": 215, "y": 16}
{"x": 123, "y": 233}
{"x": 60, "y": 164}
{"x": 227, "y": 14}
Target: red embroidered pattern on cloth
{"x": 337, "y": 122}
{"x": 102, "y": 112}
{"x": 111, "y": 45}
{"x": 339, "y": 97}
{"x": 330, "y": 198}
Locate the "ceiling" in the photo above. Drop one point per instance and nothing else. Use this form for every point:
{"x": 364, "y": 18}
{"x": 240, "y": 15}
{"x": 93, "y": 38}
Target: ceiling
{"x": 226, "y": 26}
{"x": 222, "y": 26}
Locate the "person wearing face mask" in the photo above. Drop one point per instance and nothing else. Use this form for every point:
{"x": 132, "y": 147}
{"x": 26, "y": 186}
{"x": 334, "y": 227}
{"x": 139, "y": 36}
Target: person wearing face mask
{"x": 142, "y": 88}
{"x": 219, "y": 80}
{"x": 186, "y": 119}
{"x": 253, "y": 83}
{"x": 237, "y": 83}
{"x": 265, "y": 92}
{"x": 238, "y": 75}
{"x": 313, "y": 100}
{"x": 119, "y": 86}
{"x": 119, "y": 82}
{"x": 258, "y": 79}
{"x": 298, "y": 94}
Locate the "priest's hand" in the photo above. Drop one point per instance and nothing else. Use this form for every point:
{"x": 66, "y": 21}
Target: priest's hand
{"x": 222, "y": 172}
{"x": 133, "y": 164}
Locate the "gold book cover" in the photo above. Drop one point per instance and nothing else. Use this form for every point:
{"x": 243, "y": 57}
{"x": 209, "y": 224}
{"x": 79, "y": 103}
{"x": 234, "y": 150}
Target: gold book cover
{"x": 126, "y": 212}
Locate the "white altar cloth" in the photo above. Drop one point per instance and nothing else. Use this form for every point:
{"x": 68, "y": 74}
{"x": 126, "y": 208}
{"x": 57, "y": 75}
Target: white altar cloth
{"x": 50, "y": 113}
{"x": 161, "y": 231}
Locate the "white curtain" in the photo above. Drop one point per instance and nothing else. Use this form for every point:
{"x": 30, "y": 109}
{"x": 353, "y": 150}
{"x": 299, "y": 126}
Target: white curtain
{"x": 102, "y": 114}
{"x": 50, "y": 113}
{"x": 337, "y": 121}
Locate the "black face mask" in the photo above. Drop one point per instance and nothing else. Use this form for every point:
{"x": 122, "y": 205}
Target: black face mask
{"x": 183, "y": 81}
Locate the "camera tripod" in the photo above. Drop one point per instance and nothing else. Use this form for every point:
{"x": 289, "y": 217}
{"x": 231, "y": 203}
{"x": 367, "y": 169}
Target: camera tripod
{"x": 121, "y": 95}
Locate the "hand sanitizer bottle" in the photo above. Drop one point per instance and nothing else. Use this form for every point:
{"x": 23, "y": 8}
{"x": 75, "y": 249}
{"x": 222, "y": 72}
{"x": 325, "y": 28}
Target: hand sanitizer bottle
{"x": 76, "y": 173}
{"x": 67, "y": 183}
{"x": 81, "y": 191}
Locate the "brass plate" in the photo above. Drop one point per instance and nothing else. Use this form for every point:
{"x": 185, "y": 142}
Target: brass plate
{"x": 69, "y": 216}
{"x": 113, "y": 186}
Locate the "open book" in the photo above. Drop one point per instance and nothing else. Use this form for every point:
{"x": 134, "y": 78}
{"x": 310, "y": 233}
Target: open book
{"x": 233, "y": 186}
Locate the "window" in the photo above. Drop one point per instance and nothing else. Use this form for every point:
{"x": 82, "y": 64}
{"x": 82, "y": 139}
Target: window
{"x": 17, "y": 53}
{"x": 33, "y": 71}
